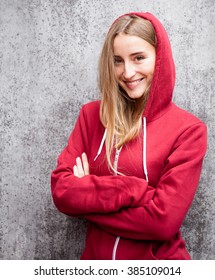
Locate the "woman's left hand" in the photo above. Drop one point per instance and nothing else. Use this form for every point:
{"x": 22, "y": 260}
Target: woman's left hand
{"x": 81, "y": 168}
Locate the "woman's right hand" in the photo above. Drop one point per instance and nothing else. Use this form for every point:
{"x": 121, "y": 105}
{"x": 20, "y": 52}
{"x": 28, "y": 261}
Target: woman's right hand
{"x": 81, "y": 168}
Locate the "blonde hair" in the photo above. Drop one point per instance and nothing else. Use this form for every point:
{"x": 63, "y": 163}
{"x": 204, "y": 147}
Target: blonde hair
{"x": 118, "y": 113}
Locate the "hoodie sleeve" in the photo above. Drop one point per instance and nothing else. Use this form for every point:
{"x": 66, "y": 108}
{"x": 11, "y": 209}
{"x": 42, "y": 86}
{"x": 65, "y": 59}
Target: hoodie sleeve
{"x": 162, "y": 210}
{"x": 90, "y": 194}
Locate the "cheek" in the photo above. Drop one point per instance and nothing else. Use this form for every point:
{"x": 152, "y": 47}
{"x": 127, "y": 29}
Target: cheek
{"x": 153, "y": 66}
{"x": 151, "y": 73}
{"x": 118, "y": 73}
{"x": 150, "y": 70}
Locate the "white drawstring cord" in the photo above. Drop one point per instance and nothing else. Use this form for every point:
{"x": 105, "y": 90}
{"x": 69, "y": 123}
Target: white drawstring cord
{"x": 115, "y": 248}
{"x": 144, "y": 150}
{"x": 101, "y": 145}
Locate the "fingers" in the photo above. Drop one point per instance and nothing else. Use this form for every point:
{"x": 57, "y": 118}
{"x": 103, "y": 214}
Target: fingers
{"x": 75, "y": 171}
{"x": 85, "y": 164}
{"x": 82, "y": 166}
{"x": 79, "y": 167}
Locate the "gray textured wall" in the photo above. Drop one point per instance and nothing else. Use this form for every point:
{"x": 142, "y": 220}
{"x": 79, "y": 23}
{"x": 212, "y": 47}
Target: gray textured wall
{"x": 48, "y": 69}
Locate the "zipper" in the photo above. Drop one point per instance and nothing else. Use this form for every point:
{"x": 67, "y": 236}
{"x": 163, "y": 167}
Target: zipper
{"x": 115, "y": 165}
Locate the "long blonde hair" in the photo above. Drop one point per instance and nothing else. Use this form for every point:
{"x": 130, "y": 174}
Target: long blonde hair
{"x": 118, "y": 113}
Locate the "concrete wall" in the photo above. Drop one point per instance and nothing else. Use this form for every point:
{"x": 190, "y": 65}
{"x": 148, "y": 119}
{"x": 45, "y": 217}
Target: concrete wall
{"x": 48, "y": 69}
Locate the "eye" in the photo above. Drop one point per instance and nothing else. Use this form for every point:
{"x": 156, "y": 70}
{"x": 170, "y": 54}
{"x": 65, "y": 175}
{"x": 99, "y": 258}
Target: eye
{"x": 139, "y": 57}
{"x": 117, "y": 60}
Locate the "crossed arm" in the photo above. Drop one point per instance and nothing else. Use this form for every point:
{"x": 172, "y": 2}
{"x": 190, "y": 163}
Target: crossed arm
{"x": 119, "y": 203}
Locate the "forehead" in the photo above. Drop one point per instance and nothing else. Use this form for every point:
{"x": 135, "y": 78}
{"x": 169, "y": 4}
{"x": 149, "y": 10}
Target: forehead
{"x": 124, "y": 44}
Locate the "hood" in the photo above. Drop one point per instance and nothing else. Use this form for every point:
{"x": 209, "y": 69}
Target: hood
{"x": 163, "y": 81}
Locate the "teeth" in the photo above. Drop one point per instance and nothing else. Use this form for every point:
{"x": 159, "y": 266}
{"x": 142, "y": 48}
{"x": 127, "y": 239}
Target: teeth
{"x": 134, "y": 82}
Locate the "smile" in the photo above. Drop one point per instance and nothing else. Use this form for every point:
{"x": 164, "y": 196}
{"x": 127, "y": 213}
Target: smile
{"x": 133, "y": 84}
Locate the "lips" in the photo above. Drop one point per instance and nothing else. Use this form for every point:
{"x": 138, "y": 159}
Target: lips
{"x": 133, "y": 84}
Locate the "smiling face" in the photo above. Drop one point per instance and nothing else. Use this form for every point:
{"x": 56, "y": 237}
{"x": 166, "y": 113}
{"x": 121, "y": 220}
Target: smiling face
{"x": 134, "y": 60}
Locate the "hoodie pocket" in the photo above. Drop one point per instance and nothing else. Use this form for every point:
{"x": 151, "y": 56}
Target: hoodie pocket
{"x": 150, "y": 254}
{"x": 173, "y": 249}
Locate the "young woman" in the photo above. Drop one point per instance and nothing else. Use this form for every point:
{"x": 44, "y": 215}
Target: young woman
{"x": 133, "y": 160}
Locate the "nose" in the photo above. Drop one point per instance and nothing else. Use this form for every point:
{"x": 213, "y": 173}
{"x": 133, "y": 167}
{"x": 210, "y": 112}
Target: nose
{"x": 129, "y": 71}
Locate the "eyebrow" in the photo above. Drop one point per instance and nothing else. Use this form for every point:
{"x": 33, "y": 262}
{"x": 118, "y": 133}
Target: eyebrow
{"x": 136, "y": 53}
{"x": 132, "y": 54}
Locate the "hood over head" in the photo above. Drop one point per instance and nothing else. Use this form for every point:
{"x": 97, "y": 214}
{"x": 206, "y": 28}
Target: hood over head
{"x": 163, "y": 81}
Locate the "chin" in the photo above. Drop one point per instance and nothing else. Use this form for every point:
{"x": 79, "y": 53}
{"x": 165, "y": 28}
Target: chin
{"x": 135, "y": 95}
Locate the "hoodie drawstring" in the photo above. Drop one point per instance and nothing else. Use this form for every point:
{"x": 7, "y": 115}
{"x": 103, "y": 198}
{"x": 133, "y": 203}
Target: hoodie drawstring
{"x": 144, "y": 150}
{"x": 101, "y": 145}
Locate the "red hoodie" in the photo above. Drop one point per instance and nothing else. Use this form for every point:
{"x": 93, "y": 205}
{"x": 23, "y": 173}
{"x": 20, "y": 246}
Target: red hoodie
{"x": 132, "y": 216}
